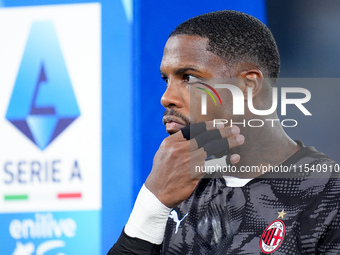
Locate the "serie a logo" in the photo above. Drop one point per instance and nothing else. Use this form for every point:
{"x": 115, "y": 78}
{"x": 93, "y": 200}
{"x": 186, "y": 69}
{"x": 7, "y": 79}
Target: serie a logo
{"x": 43, "y": 103}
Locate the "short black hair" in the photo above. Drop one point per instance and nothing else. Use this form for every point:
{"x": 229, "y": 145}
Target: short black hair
{"x": 236, "y": 37}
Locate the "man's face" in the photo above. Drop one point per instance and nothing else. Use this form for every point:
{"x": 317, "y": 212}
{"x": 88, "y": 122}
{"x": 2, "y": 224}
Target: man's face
{"x": 185, "y": 63}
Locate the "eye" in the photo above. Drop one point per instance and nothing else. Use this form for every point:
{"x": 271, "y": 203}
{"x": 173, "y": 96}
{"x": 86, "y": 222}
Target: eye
{"x": 165, "y": 79}
{"x": 190, "y": 79}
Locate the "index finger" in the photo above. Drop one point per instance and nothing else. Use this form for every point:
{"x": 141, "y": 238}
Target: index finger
{"x": 194, "y": 130}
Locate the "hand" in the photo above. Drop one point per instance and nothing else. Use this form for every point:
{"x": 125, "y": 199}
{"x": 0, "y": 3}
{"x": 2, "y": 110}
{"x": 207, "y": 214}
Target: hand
{"x": 170, "y": 179}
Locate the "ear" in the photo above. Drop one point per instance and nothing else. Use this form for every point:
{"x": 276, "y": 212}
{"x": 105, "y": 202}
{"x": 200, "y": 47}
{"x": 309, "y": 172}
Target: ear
{"x": 251, "y": 79}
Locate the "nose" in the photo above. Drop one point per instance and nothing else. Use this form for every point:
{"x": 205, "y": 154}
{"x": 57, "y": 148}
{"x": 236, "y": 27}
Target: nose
{"x": 173, "y": 97}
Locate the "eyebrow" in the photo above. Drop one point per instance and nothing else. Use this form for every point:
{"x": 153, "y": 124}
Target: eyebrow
{"x": 183, "y": 70}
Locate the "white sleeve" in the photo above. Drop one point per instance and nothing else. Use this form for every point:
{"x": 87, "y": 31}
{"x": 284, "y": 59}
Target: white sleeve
{"x": 148, "y": 218}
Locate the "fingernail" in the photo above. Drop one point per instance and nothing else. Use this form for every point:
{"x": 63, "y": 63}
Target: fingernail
{"x": 235, "y": 158}
{"x": 240, "y": 139}
{"x": 235, "y": 130}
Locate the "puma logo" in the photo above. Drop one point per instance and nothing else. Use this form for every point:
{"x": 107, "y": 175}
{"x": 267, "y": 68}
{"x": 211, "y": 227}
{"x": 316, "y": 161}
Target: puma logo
{"x": 173, "y": 215}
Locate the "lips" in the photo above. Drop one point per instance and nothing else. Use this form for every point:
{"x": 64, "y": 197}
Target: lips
{"x": 173, "y": 124}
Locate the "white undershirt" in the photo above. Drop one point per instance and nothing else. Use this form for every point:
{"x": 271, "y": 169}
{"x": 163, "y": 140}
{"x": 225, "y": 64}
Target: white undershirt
{"x": 231, "y": 181}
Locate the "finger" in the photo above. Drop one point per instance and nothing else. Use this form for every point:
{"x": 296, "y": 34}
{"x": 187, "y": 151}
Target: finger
{"x": 207, "y": 137}
{"x": 216, "y": 147}
{"x": 220, "y": 147}
{"x": 235, "y": 141}
{"x": 197, "y": 158}
{"x": 213, "y": 125}
{"x": 211, "y": 135}
{"x": 193, "y": 130}
{"x": 228, "y": 160}
{"x": 233, "y": 159}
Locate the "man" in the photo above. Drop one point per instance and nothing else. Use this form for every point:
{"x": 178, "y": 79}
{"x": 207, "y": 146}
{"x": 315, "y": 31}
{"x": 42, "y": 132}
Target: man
{"x": 290, "y": 211}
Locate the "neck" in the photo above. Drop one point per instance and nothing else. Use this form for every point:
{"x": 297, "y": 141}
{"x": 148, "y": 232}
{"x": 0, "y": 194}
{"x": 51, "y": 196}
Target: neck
{"x": 264, "y": 146}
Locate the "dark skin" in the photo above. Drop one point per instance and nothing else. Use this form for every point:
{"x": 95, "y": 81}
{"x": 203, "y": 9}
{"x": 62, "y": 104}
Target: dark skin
{"x": 186, "y": 61}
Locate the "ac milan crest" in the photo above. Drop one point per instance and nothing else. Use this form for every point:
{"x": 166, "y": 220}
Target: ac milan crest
{"x": 272, "y": 237}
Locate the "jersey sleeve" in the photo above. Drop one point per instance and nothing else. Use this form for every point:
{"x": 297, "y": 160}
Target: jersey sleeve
{"x": 127, "y": 245}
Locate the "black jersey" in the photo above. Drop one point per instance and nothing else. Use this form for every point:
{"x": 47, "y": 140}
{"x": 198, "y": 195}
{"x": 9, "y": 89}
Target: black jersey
{"x": 277, "y": 213}
{"x": 297, "y": 214}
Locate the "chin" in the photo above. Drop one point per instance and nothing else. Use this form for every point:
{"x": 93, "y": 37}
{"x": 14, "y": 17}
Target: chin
{"x": 171, "y": 132}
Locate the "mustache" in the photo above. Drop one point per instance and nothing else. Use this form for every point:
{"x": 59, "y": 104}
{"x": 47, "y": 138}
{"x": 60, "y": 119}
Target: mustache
{"x": 172, "y": 112}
